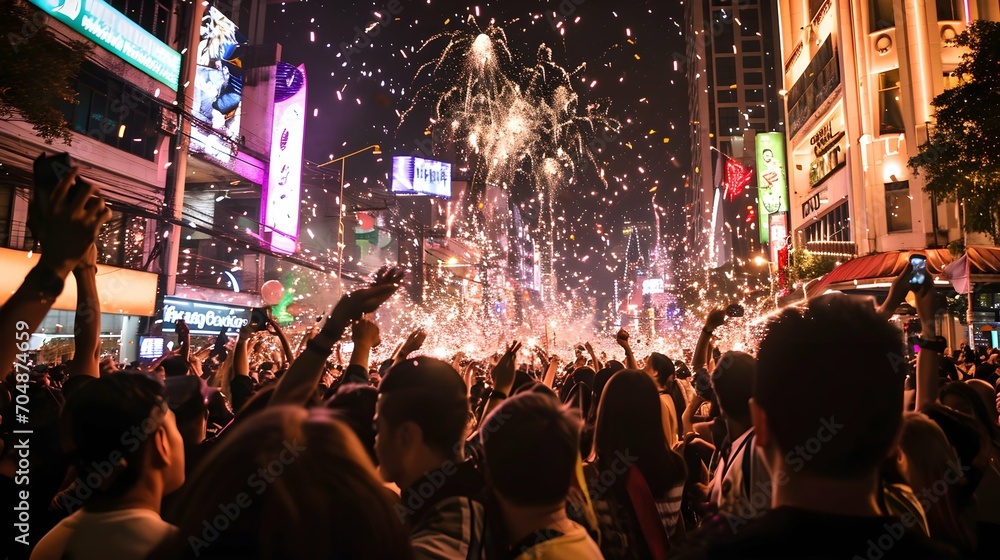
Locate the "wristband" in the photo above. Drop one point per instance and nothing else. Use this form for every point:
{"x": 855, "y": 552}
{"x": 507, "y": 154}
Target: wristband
{"x": 318, "y": 348}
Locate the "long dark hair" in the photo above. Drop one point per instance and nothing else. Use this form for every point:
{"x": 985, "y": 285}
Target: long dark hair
{"x": 321, "y": 499}
{"x": 630, "y": 423}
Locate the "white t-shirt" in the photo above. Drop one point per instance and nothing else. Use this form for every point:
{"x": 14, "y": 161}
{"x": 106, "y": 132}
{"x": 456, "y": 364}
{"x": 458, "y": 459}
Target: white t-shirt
{"x": 122, "y": 534}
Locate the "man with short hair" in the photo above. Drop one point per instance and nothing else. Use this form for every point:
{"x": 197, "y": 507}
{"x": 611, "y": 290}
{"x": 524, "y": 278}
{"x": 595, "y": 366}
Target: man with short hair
{"x": 128, "y": 454}
{"x": 827, "y": 411}
{"x": 530, "y": 445}
{"x": 421, "y": 421}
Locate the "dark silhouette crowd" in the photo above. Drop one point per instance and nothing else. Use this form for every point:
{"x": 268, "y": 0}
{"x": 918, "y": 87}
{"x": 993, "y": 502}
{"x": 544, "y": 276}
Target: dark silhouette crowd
{"x": 828, "y": 440}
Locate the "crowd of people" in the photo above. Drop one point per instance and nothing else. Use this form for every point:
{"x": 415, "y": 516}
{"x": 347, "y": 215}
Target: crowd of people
{"x": 828, "y": 441}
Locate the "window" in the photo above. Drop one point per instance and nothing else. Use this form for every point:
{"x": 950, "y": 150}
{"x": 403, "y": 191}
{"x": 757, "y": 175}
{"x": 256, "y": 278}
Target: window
{"x": 754, "y": 95}
{"x": 752, "y": 62}
{"x": 122, "y": 241}
{"x": 729, "y": 120}
{"x": 751, "y": 46}
{"x": 897, "y": 207}
{"x": 814, "y": 6}
{"x": 889, "y": 105}
{"x": 813, "y": 87}
{"x": 753, "y": 78}
{"x": 151, "y": 15}
{"x": 835, "y": 225}
{"x": 881, "y": 15}
{"x": 727, "y": 95}
{"x": 114, "y": 112}
{"x": 949, "y": 10}
{"x": 750, "y": 18}
{"x": 725, "y": 71}
{"x": 722, "y": 31}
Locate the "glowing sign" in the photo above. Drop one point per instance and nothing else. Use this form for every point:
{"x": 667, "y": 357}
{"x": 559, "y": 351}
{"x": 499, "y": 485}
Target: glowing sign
{"x": 652, "y": 286}
{"x": 772, "y": 179}
{"x": 280, "y": 208}
{"x": 414, "y": 175}
{"x": 109, "y": 28}
{"x": 218, "y": 87}
{"x": 203, "y": 318}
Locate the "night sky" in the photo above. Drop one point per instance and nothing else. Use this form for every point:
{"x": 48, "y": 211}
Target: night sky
{"x": 628, "y": 48}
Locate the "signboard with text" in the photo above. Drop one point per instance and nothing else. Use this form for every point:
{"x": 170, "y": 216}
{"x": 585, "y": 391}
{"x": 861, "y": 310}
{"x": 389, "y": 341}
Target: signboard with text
{"x": 205, "y": 319}
{"x": 98, "y": 21}
{"x": 772, "y": 179}
{"x": 414, "y": 176}
{"x": 778, "y": 230}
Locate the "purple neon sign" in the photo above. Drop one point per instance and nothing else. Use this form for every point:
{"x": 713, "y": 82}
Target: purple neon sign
{"x": 280, "y": 207}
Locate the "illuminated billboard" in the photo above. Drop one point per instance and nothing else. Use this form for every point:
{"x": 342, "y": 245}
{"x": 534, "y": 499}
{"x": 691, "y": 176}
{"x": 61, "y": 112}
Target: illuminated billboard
{"x": 772, "y": 179}
{"x": 98, "y": 21}
{"x": 418, "y": 176}
{"x": 203, "y": 319}
{"x": 218, "y": 87}
{"x": 279, "y": 210}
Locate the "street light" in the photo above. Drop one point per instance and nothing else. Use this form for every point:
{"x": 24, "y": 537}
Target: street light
{"x": 377, "y": 150}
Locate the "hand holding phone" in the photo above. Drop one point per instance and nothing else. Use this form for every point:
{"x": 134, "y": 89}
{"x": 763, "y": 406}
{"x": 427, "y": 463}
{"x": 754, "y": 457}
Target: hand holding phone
{"x": 918, "y": 274}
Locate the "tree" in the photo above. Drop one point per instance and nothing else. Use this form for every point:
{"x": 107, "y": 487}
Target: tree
{"x": 37, "y": 70}
{"x": 804, "y": 265}
{"x": 961, "y": 159}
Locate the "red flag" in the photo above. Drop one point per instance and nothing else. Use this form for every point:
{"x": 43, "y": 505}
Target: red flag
{"x": 737, "y": 178}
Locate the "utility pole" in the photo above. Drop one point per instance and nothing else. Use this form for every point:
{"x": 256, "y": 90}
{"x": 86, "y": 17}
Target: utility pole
{"x": 173, "y": 196}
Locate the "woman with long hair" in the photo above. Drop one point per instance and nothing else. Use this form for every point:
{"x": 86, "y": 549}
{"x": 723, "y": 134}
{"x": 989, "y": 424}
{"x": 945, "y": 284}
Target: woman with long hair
{"x": 636, "y": 481}
{"x": 287, "y": 483}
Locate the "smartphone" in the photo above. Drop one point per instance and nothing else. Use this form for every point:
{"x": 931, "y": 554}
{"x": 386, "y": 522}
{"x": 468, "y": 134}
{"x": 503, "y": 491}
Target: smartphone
{"x": 734, "y": 310}
{"x": 919, "y": 265}
{"x": 258, "y": 319}
{"x": 49, "y": 170}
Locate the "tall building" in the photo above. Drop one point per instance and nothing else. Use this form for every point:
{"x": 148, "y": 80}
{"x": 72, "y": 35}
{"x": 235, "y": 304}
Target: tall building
{"x": 860, "y": 76}
{"x": 732, "y": 66}
{"x": 191, "y": 127}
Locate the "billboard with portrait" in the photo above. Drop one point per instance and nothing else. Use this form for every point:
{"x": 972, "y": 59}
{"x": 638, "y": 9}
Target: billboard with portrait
{"x": 218, "y": 87}
{"x": 772, "y": 179}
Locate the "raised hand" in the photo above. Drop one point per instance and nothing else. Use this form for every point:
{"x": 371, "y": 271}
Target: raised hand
{"x": 70, "y": 227}
{"x": 716, "y": 318}
{"x": 366, "y": 300}
{"x": 412, "y": 344}
{"x": 622, "y": 338}
{"x": 366, "y": 333}
{"x": 503, "y": 372}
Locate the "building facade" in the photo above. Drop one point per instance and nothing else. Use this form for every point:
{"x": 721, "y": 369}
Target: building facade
{"x": 859, "y": 79}
{"x": 732, "y": 64}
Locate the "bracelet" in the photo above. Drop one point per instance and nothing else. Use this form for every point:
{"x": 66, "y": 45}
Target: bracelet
{"x": 318, "y": 348}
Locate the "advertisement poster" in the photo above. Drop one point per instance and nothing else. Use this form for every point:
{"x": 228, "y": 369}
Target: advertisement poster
{"x": 218, "y": 87}
{"x": 280, "y": 210}
{"x": 414, "y": 175}
{"x": 772, "y": 179}
{"x": 109, "y": 28}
